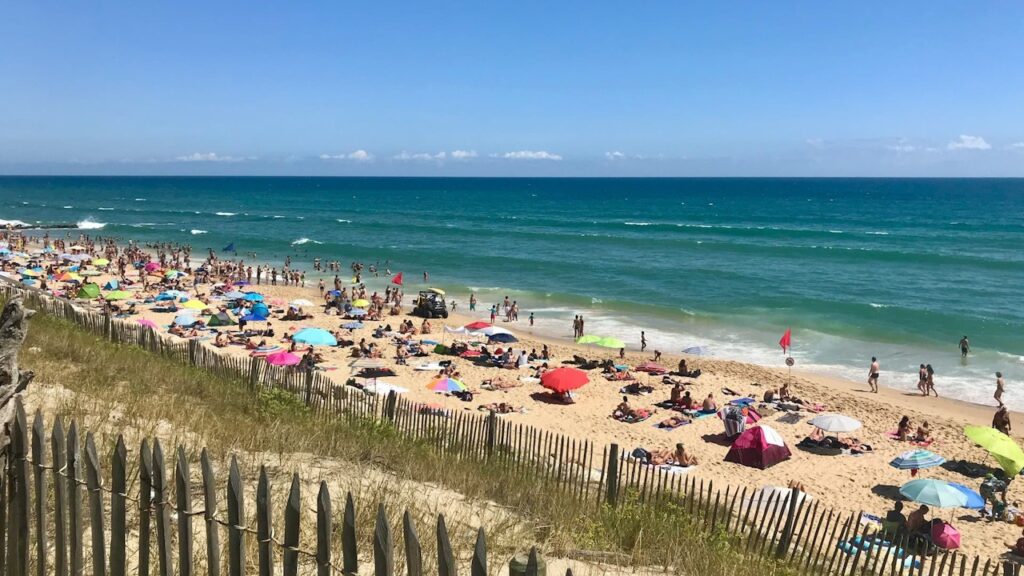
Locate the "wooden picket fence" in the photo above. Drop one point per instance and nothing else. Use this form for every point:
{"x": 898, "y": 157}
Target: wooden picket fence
{"x": 780, "y": 524}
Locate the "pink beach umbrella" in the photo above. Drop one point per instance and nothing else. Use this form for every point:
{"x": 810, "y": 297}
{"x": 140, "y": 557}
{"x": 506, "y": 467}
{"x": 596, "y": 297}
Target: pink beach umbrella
{"x": 283, "y": 359}
{"x": 945, "y": 536}
{"x": 151, "y": 266}
{"x": 146, "y": 322}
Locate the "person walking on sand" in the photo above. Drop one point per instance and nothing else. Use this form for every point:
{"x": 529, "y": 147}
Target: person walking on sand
{"x": 873, "y": 374}
{"x": 575, "y": 327}
{"x": 930, "y": 383}
{"x": 922, "y": 380}
{"x": 965, "y": 346}
{"x": 1000, "y": 385}
{"x": 643, "y": 341}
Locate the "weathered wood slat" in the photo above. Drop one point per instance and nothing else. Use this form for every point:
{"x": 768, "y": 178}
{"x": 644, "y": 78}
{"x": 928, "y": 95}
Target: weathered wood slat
{"x": 445, "y": 558}
{"x": 94, "y": 476}
{"x": 145, "y": 505}
{"x": 75, "y": 501}
{"x": 478, "y": 565}
{"x": 236, "y": 521}
{"x": 349, "y": 552}
{"x": 58, "y": 445}
{"x": 264, "y": 520}
{"x": 39, "y": 482}
{"x": 323, "y": 531}
{"x": 413, "y": 551}
{"x": 119, "y": 509}
{"x": 165, "y": 559}
{"x": 292, "y": 512}
{"x": 209, "y": 516}
{"x": 183, "y": 499}
{"x": 383, "y": 551}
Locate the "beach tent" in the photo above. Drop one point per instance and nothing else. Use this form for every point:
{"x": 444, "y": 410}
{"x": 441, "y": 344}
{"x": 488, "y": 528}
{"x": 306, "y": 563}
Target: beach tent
{"x": 89, "y": 291}
{"x": 185, "y": 319}
{"x": 220, "y": 319}
{"x": 260, "y": 309}
{"x": 758, "y": 447}
{"x": 111, "y": 285}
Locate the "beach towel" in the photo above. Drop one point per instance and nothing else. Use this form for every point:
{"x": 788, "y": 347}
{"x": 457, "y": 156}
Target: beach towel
{"x": 264, "y": 351}
{"x": 640, "y": 416}
{"x": 431, "y": 367}
{"x": 698, "y": 414}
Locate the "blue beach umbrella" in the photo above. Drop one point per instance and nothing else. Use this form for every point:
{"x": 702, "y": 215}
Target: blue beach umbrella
{"x": 974, "y": 500}
{"x": 315, "y": 337}
{"x": 260, "y": 309}
{"x": 254, "y": 318}
{"x": 234, "y": 295}
{"x": 352, "y": 325}
{"x": 185, "y": 319}
{"x": 503, "y": 338}
{"x": 934, "y": 493}
{"x": 917, "y": 460}
{"x": 253, "y": 297}
{"x": 358, "y": 312}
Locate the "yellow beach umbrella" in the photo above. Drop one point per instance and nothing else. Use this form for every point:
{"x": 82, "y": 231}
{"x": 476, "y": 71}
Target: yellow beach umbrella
{"x": 77, "y": 247}
{"x": 361, "y": 303}
{"x": 100, "y": 262}
{"x": 196, "y": 305}
{"x": 1003, "y": 448}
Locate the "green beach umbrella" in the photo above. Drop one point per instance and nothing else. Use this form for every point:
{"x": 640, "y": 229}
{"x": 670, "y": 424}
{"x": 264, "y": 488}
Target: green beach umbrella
{"x": 609, "y": 342}
{"x": 118, "y": 295}
{"x": 933, "y": 493}
{"x": 100, "y": 262}
{"x": 1000, "y": 446}
{"x": 587, "y": 339}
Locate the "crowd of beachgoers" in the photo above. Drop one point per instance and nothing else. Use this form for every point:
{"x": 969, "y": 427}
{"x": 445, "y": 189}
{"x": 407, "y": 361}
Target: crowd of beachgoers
{"x": 733, "y": 423}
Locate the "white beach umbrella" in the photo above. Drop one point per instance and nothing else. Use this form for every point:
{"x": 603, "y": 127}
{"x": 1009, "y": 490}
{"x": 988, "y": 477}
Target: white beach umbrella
{"x": 301, "y": 302}
{"x": 492, "y": 330}
{"x": 835, "y": 423}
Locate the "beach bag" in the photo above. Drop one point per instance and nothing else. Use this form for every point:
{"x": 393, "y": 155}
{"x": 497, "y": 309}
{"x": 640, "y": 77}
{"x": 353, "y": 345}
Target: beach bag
{"x": 734, "y": 420}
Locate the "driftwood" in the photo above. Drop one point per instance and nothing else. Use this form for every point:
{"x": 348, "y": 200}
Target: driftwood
{"x": 13, "y": 327}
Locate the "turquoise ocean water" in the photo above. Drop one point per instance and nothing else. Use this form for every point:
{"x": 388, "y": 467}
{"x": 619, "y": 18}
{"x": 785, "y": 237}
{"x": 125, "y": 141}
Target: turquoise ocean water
{"x": 896, "y": 268}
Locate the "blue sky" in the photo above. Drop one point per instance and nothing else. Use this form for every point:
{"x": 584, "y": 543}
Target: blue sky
{"x": 513, "y": 88}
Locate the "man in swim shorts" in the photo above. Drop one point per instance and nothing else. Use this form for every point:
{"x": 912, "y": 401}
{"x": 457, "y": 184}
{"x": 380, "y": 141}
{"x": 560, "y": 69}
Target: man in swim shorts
{"x": 873, "y": 375}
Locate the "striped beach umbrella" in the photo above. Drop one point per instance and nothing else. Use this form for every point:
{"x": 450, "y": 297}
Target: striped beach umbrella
{"x": 917, "y": 460}
{"x": 445, "y": 384}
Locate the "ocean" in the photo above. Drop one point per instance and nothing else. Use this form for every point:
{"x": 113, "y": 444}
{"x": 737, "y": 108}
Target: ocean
{"x": 894, "y": 268}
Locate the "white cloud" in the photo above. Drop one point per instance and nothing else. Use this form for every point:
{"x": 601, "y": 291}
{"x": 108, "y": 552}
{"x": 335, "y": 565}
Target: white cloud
{"x": 901, "y": 147}
{"x": 421, "y": 156}
{"x": 463, "y": 154}
{"x": 528, "y": 155}
{"x": 966, "y": 142}
{"x": 357, "y": 156}
{"x": 1017, "y": 146}
{"x": 616, "y": 155}
{"x": 212, "y": 157}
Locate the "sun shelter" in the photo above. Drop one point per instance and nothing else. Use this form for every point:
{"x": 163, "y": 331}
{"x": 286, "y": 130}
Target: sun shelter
{"x": 89, "y": 291}
{"x": 220, "y": 319}
{"x": 758, "y": 447}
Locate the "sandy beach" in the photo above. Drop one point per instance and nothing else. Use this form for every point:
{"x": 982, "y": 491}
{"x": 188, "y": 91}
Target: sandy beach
{"x": 850, "y": 483}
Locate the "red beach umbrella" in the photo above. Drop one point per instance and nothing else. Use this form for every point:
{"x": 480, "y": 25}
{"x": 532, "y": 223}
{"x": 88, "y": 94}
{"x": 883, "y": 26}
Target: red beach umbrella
{"x": 562, "y": 380}
{"x": 478, "y": 325}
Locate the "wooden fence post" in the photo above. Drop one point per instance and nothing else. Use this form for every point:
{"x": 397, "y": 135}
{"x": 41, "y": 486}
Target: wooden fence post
{"x": 492, "y": 429}
{"x": 183, "y": 497}
{"x": 209, "y": 516}
{"x": 323, "y": 531}
{"x": 39, "y": 477}
{"x": 309, "y": 387}
{"x": 445, "y": 557}
{"x": 383, "y": 552}
{"x": 118, "y": 509}
{"x": 349, "y": 552}
{"x": 787, "y": 530}
{"x": 163, "y": 512}
{"x": 264, "y": 518}
{"x": 292, "y": 510}
{"x": 60, "y": 498}
{"x": 17, "y": 494}
{"x": 93, "y": 477}
{"x": 193, "y": 352}
{"x": 75, "y": 501}
{"x": 236, "y": 521}
{"x": 612, "y": 475}
{"x": 413, "y": 551}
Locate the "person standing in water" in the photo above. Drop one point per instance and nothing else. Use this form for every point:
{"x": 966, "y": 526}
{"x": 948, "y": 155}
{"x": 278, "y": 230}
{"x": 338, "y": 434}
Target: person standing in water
{"x": 965, "y": 347}
{"x": 999, "y": 388}
{"x": 930, "y": 383}
{"x": 873, "y": 374}
{"x": 643, "y": 341}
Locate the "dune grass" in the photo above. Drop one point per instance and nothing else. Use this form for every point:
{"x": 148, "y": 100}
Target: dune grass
{"x": 111, "y": 389}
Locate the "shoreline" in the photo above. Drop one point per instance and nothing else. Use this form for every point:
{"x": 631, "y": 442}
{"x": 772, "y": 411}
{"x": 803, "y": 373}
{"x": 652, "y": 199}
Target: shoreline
{"x": 845, "y": 482}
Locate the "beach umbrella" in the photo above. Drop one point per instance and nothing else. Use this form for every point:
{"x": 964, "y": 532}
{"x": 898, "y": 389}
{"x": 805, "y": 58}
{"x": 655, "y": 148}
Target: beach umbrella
{"x": 369, "y": 363}
{"x": 118, "y": 295}
{"x": 77, "y": 247}
{"x": 378, "y": 372}
{"x": 100, "y": 262}
{"x": 315, "y": 337}
{"x": 835, "y": 423}
{"x": 356, "y": 312}
{"x": 29, "y": 272}
{"x": 111, "y": 285}
{"x": 461, "y": 331}
{"x": 172, "y": 274}
{"x": 186, "y": 319}
{"x": 933, "y": 493}
{"x": 492, "y": 330}
{"x": 260, "y": 309}
{"x": 503, "y": 338}
{"x": 235, "y": 295}
{"x": 945, "y": 536}
{"x": 445, "y": 384}
{"x": 999, "y": 446}
{"x": 301, "y": 302}
{"x": 478, "y": 325}
{"x": 89, "y": 273}
{"x": 195, "y": 305}
{"x": 562, "y": 380}
{"x": 254, "y": 318}
{"x": 279, "y": 302}
{"x": 352, "y": 325}
{"x": 151, "y": 267}
{"x": 147, "y": 323}
{"x": 334, "y": 292}
{"x": 609, "y": 342}
{"x": 361, "y": 303}
{"x": 588, "y": 339}
{"x": 253, "y": 297}
{"x": 652, "y": 368}
{"x": 916, "y": 460}
{"x": 974, "y": 500}
{"x": 283, "y": 358}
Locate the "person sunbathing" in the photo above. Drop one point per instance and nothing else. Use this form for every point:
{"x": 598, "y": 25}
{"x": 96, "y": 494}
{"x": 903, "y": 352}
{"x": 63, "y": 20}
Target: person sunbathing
{"x": 498, "y": 408}
{"x": 784, "y": 393}
{"x": 687, "y": 402}
{"x": 923, "y": 434}
{"x": 769, "y": 395}
{"x": 673, "y": 422}
{"x": 677, "y": 457}
{"x": 1018, "y": 548}
{"x": 221, "y": 340}
{"x": 903, "y": 430}
{"x": 709, "y": 403}
{"x": 624, "y": 410}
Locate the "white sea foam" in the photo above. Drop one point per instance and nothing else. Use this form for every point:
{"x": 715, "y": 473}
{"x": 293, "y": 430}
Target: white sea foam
{"x": 143, "y": 224}
{"x": 302, "y": 241}
{"x": 90, "y": 224}
{"x": 68, "y": 207}
{"x": 637, "y": 223}
{"x": 140, "y": 199}
{"x": 878, "y": 233}
{"x": 835, "y": 231}
{"x": 14, "y": 223}
{"x": 105, "y": 209}
{"x": 224, "y": 213}
{"x": 197, "y": 232}
{"x": 875, "y": 305}
{"x": 342, "y": 221}
{"x": 596, "y": 301}
{"x": 277, "y": 216}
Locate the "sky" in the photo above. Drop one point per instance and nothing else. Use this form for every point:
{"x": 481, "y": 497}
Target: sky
{"x": 589, "y": 88}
